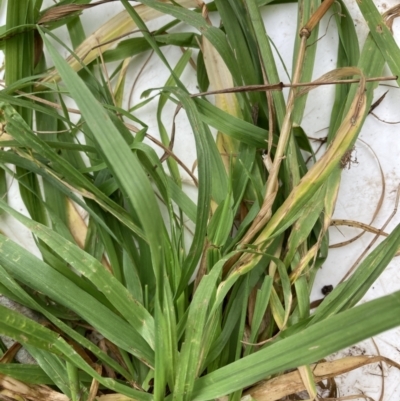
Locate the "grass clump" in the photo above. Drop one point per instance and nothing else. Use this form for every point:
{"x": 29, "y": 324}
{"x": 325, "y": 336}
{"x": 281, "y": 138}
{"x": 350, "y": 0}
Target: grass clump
{"x": 128, "y": 309}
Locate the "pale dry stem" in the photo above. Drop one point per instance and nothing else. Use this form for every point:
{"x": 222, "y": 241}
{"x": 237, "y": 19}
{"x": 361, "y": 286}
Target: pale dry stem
{"x": 272, "y": 183}
{"x": 291, "y": 383}
{"x": 325, "y": 165}
{"x": 32, "y": 392}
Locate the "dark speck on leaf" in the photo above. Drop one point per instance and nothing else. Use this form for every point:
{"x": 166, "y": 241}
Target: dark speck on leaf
{"x": 326, "y": 289}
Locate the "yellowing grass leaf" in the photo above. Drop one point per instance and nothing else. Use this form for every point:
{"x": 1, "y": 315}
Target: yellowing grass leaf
{"x": 317, "y": 175}
{"x": 308, "y": 380}
{"x": 221, "y": 78}
{"x": 108, "y": 35}
{"x": 76, "y": 224}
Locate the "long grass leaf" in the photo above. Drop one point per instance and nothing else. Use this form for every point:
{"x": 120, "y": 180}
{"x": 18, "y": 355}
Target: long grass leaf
{"x": 107, "y": 35}
{"x": 306, "y": 346}
{"x": 349, "y": 293}
{"x": 28, "y": 301}
{"x": 382, "y": 35}
{"x": 27, "y": 331}
{"x": 61, "y": 290}
{"x": 301, "y": 194}
{"x": 190, "y": 359}
{"x": 91, "y": 268}
{"x": 118, "y": 156}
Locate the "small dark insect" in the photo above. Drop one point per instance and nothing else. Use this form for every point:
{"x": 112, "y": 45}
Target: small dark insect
{"x": 326, "y": 289}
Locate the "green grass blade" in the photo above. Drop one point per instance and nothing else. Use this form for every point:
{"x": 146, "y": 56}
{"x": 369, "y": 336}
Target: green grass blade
{"x": 266, "y": 56}
{"x": 307, "y": 346}
{"x": 262, "y": 301}
{"x": 191, "y": 357}
{"x": 31, "y": 374}
{"x": 53, "y": 366}
{"x": 61, "y": 290}
{"x": 20, "y": 131}
{"x": 118, "y": 156}
{"x": 19, "y": 64}
{"x": 10, "y": 325}
{"x": 26, "y": 300}
{"x": 117, "y": 294}
{"x": 382, "y": 35}
{"x": 145, "y": 32}
{"x": 27, "y": 331}
{"x": 214, "y": 35}
{"x": 348, "y": 55}
{"x": 233, "y": 126}
{"x": 134, "y": 46}
{"x": 178, "y": 70}
{"x": 204, "y": 146}
{"x": 349, "y": 293}
{"x": 305, "y": 10}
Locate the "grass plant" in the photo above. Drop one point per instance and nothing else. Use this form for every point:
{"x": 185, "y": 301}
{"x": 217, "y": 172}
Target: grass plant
{"x": 155, "y": 295}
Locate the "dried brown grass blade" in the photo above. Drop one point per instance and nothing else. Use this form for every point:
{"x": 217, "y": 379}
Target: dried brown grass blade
{"x": 305, "y": 260}
{"x": 108, "y": 35}
{"x": 291, "y": 383}
{"x": 78, "y": 228}
{"x": 333, "y": 76}
{"x": 357, "y": 224}
{"x": 325, "y": 165}
{"x": 62, "y": 11}
{"x": 221, "y": 78}
{"x": 272, "y": 182}
{"x": 281, "y": 85}
{"x": 31, "y": 392}
{"x": 94, "y": 387}
{"x": 316, "y": 17}
{"x": 9, "y": 355}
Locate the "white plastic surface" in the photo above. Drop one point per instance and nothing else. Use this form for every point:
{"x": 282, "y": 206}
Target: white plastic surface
{"x": 361, "y": 183}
